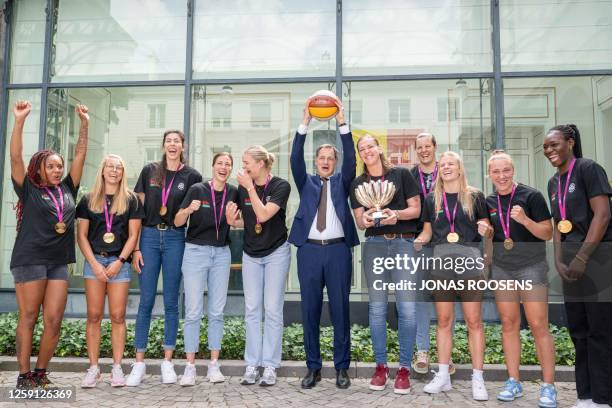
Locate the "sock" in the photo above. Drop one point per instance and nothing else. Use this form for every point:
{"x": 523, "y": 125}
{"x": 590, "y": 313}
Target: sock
{"x": 93, "y": 366}
{"x": 477, "y": 374}
{"x": 443, "y": 369}
{"x": 24, "y": 375}
{"x": 214, "y": 362}
{"x": 190, "y": 364}
{"x": 40, "y": 370}
{"x": 116, "y": 365}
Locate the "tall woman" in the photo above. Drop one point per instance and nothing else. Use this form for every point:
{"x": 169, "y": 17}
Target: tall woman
{"x": 45, "y": 244}
{"x": 580, "y": 201}
{"x": 456, "y": 213}
{"x": 161, "y": 187}
{"x": 109, "y": 224}
{"x": 206, "y": 263}
{"x": 262, "y": 203}
{"x": 522, "y": 223}
{"x": 394, "y": 236}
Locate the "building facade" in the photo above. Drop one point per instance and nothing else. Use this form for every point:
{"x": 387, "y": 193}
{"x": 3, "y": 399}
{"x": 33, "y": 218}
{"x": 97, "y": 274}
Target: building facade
{"x": 478, "y": 74}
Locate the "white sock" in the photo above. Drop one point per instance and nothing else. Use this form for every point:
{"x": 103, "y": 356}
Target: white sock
{"x": 443, "y": 369}
{"x": 477, "y": 374}
{"x": 214, "y": 362}
{"x": 190, "y": 364}
{"x": 116, "y": 365}
{"x": 93, "y": 366}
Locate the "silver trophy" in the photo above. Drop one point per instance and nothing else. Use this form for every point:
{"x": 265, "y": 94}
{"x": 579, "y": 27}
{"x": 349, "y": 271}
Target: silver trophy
{"x": 375, "y": 194}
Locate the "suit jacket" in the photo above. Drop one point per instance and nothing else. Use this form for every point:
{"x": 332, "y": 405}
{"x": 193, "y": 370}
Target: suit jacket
{"x": 309, "y": 187}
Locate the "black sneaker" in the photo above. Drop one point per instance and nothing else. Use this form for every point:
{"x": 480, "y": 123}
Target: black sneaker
{"x": 41, "y": 378}
{"x": 26, "y": 381}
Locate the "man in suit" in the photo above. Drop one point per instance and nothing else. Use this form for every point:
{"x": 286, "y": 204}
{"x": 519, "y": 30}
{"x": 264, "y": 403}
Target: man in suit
{"x": 324, "y": 232}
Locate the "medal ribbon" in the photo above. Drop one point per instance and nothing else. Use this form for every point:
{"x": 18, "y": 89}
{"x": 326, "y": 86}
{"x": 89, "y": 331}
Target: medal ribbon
{"x": 166, "y": 190}
{"x": 264, "y": 194}
{"x": 505, "y": 223}
{"x": 59, "y": 208}
{"x": 433, "y": 180}
{"x": 447, "y": 212}
{"x": 567, "y": 183}
{"x": 108, "y": 217}
{"x": 214, "y": 203}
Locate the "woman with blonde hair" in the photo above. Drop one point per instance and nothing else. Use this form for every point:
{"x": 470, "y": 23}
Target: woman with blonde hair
{"x": 391, "y": 236}
{"x": 109, "y": 224}
{"x": 261, "y": 211}
{"x": 522, "y": 223}
{"x": 455, "y": 218}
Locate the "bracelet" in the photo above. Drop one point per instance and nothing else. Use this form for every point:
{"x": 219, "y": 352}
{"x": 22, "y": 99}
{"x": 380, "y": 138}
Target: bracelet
{"x": 136, "y": 250}
{"x": 341, "y": 124}
{"x": 584, "y": 261}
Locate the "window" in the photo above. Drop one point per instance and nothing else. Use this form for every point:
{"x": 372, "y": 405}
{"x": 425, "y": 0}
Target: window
{"x": 157, "y": 116}
{"x": 221, "y": 115}
{"x": 261, "y": 115}
{"x": 399, "y": 110}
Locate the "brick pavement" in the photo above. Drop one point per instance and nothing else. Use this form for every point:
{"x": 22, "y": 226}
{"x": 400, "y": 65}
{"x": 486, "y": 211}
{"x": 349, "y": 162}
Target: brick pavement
{"x": 287, "y": 393}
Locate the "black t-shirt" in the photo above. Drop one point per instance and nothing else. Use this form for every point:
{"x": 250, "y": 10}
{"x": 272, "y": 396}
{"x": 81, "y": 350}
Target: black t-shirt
{"x": 274, "y": 231}
{"x": 146, "y": 184}
{"x": 120, "y": 225}
{"x": 202, "y": 229}
{"x": 588, "y": 180}
{"x": 527, "y": 249}
{"x": 37, "y": 242}
{"x": 464, "y": 226}
{"x": 406, "y": 187}
{"x": 428, "y": 180}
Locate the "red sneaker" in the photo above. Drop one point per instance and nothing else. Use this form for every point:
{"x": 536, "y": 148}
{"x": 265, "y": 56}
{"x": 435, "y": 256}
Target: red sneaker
{"x": 379, "y": 379}
{"x": 402, "y": 381}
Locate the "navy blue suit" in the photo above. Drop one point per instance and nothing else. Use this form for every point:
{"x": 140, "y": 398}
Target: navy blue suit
{"x": 328, "y": 266}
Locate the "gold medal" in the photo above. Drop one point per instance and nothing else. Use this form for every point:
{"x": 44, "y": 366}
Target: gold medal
{"x": 508, "y": 243}
{"x": 564, "y": 226}
{"x": 163, "y": 210}
{"x": 258, "y": 228}
{"x": 452, "y": 237}
{"x": 60, "y": 227}
{"x": 109, "y": 237}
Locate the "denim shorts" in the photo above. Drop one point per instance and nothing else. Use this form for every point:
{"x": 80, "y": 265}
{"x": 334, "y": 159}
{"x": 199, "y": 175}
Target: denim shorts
{"x": 29, "y": 273}
{"x": 124, "y": 275}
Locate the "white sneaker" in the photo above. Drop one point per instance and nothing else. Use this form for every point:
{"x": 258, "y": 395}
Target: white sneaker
{"x": 439, "y": 383}
{"x": 583, "y": 403}
{"x": 91, "y": 378}
{"x": 214, "y": 374}
{"x": 479, "y": 391}
{"x": 189, "y": 376}
{"x": 168, "y": 375}
{"x": 117, "y": 376}
{"x": 251, "y": 375}
{"x": 268, "y": 377}
{"x": 137, "y": 374}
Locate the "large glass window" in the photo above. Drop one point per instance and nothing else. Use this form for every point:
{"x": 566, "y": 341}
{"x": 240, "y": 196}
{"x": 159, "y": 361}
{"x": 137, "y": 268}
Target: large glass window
{"x": 553, "y": 35}
{"x": 260, "y": 38}
{"x": 234, "y": 118}
{"x": 8, "y": 231}
{"x": 120, "y": 123}
{"x": 27, "y": 41}
{"x": 401, "y": 37}
{"x": 111, "y": 40}
{"x": 534, "y": 105}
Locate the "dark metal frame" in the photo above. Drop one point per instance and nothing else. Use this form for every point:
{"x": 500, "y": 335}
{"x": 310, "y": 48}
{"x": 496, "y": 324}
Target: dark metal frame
{"x": 188, "y": 81}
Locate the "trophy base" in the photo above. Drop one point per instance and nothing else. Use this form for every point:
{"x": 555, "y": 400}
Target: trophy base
{"x": 378, "y": 216}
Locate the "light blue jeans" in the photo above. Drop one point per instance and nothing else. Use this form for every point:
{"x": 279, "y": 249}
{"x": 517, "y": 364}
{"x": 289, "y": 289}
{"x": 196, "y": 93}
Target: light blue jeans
{"x": 423, "y": 321}
{"x": 205, "y": 267}
{"x": 264, "y": 281}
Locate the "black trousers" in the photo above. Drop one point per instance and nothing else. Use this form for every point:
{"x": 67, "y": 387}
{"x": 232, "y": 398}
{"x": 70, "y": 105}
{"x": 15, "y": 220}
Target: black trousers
{"x": 328, "y": 266}
{"x": 590, "y": 327}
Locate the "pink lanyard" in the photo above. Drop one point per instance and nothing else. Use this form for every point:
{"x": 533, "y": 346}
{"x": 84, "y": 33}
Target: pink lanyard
{"x": 505, "y": 223}
{"x": 166, "y": 191}
{"x": 108, "y": 217}
{"x": 214, "y": 203}
{"x": 447, "y": 212}
{"x": 433, "y": 180}
{"x": 562, "y": 208}
{"x": 59, "y": 208}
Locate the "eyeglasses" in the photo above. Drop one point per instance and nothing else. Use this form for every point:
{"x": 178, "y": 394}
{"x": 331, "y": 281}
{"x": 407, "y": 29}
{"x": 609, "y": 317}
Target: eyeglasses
{"x": 114, "y": 167}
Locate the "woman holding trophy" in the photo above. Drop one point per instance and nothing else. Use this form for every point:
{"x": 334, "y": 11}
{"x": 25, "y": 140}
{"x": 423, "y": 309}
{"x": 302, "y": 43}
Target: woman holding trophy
{"x": 455, "y": 218}
{"x": 387, "y": 205}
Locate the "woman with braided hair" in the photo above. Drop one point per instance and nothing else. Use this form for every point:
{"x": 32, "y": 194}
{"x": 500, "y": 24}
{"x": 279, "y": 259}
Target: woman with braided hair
{"x": 45, "y": 243}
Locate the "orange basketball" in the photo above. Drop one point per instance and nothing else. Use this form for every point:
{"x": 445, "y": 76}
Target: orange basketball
{"x": 322, "y": 105}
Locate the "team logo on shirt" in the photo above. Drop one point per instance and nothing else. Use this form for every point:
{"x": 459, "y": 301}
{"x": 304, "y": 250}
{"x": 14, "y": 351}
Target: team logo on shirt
{"x": 205, "y": 204}
{"x": 572, "y": 188}
{"x": 181, "y": 186}
{"x": 153, "y": 183}
{"x": 45, "y": 196}
{"x": 492, "y": 212}
{"x": 247, "y": 201}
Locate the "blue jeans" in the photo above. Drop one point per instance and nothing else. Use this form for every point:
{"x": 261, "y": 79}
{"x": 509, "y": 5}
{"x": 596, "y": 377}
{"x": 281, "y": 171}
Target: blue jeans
{"x": 423, "y": 321}
{"x": 124, "y": 275}
{"x": 264, "y": 280}
{"x": 205, "y": 267}
{"x": 161, "y": 250}
{"x": 405, "y": 303}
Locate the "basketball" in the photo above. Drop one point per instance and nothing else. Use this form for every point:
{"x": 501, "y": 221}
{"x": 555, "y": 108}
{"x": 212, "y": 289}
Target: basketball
{"x": 322, "y": 105}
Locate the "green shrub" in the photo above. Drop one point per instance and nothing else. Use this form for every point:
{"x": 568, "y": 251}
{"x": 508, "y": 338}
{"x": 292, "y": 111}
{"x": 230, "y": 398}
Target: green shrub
{"x": 72, "y": 342}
